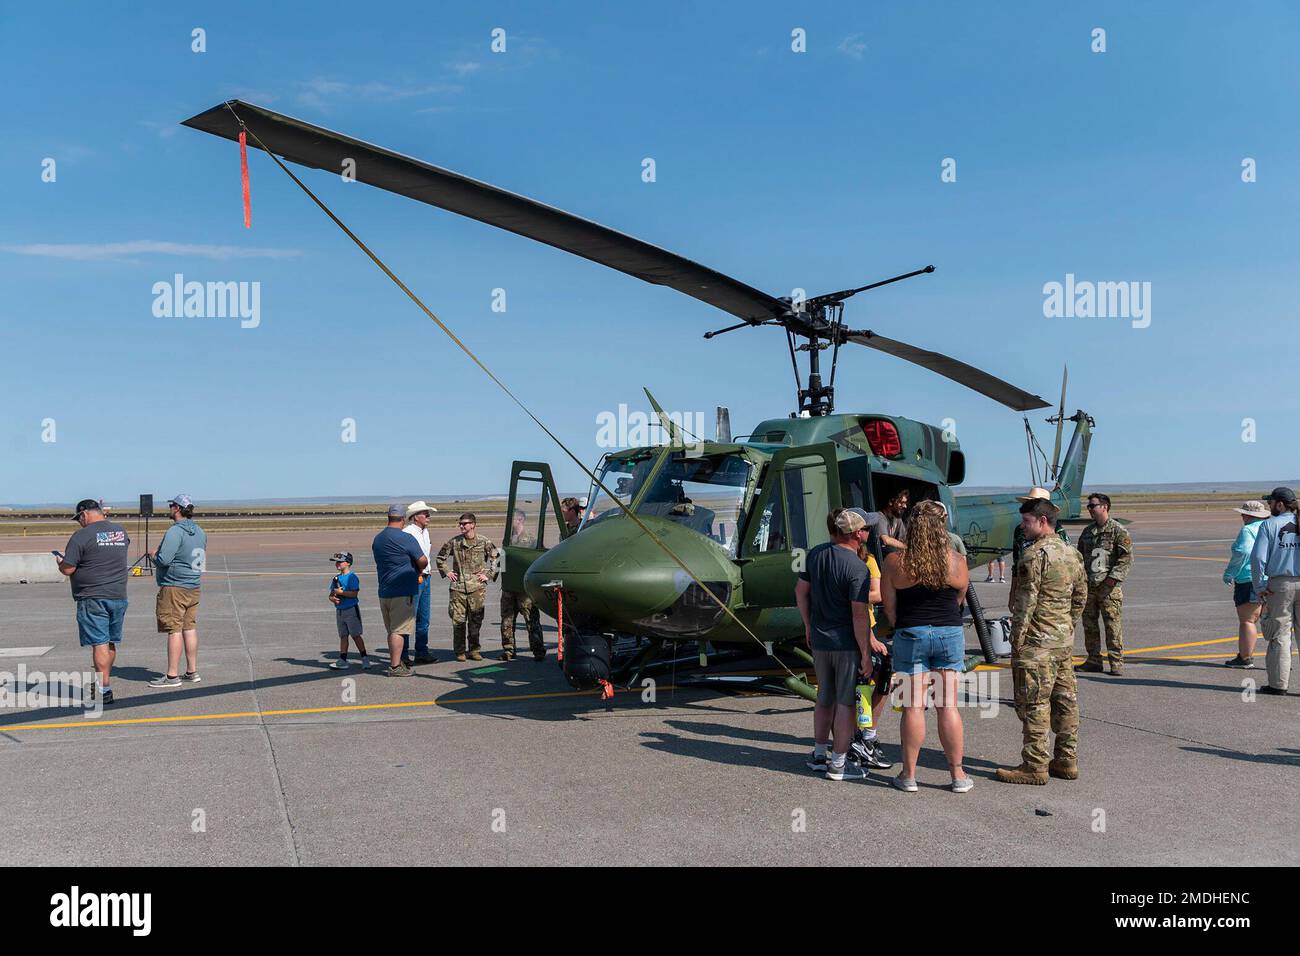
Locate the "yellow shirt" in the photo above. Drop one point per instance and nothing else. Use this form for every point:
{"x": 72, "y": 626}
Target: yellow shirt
{"x": 874, "y": 568}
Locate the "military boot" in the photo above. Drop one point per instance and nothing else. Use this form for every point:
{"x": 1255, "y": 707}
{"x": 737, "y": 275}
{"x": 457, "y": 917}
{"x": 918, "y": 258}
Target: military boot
{"x": 1022, "y": 774}
{"x": 1088, "y": 667}
{"x": 1063, "y": 769}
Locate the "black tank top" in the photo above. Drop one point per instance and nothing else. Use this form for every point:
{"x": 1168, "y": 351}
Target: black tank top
{"x": 919, "y": 606}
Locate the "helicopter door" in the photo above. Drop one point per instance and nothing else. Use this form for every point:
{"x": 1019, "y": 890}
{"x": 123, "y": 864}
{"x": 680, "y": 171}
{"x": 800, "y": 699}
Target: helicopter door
{"x": 800, "y": 488}
{"x": 532, "y": 520}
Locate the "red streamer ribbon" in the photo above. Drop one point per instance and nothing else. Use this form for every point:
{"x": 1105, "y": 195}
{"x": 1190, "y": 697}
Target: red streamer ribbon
{"x": 243, "y": 175}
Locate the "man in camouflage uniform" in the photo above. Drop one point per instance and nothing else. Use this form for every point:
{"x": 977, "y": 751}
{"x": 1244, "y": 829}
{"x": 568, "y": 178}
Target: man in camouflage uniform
{"x": 1053, "y": 589}
{"x": 1107, "y": 552}
{"x": 515, "y": 602}
{"x": 469, "y": 562}
{"x": 1019, "y": 542}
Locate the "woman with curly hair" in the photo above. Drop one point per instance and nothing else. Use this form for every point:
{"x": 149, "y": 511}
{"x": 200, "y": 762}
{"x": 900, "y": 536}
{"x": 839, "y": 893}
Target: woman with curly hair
{"x": 921, "y": 589}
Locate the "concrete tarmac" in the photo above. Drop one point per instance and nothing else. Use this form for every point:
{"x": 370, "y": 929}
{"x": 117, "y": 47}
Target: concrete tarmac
{"x": 275, "y": 759}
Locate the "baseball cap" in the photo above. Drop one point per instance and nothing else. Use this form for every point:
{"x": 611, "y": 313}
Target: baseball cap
{"x": 181, "y": 501}
{"x": 850, "y": 520}
{"x": 1035, "y": 493}
{"x": 415, "y": 507}
{"x": 342, "y": 556}
{"x": 87, "y": 504}
{"x": 396, "y": 510}
{"x": 1281, "y": 493}
{"x": 1254, "y": 508}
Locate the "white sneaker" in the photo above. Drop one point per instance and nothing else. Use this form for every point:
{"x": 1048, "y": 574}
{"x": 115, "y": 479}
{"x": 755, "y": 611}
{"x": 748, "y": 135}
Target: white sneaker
{"x": 964, "y": 785}
{"x": 906, "y": 784}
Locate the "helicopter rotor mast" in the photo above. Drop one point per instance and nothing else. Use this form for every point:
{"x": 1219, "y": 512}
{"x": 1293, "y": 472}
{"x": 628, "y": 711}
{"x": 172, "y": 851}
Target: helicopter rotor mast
{"x": 817, "y": 319}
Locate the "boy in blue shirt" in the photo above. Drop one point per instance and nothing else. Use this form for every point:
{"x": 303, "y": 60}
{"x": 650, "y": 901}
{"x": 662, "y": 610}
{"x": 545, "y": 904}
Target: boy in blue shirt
{"x": 347, "y": 609}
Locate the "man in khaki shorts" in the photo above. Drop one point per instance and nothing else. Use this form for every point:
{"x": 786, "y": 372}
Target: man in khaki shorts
{"x": 399, "y": 561}
{"x": 178, "y": 564}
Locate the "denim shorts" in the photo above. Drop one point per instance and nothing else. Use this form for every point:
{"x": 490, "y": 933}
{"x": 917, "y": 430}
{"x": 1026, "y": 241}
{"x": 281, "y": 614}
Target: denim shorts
{"x": 1243, "y": 592}
{"x": 929, "y": 648}
{"x": 99, "y": 621}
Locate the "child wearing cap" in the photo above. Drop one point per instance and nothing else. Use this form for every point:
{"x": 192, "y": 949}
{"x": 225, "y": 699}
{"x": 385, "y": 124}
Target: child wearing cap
{"x": 347, "y": 609}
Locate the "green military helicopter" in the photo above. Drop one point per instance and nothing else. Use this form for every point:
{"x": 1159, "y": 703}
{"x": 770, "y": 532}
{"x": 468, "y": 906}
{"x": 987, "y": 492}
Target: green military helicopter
{"x": 739, "y": 513}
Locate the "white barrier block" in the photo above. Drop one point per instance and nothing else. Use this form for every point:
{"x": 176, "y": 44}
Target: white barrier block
{"x": 30, "y": 568}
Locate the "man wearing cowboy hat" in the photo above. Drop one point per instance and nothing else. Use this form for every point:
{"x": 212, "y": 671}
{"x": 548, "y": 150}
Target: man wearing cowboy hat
{"x": 1237, "y": 574}
{"x": 418, "y": 515}
{"x": 1275, "y": 573}
{"x": 1019, "y": 542}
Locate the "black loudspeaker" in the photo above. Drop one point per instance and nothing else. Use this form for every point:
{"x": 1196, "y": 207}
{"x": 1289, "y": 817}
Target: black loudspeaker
{"x": 146, "y": 506}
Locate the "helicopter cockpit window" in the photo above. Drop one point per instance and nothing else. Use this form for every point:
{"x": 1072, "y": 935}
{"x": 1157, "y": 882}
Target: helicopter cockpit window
{"x": 533, "y": 524}
{"x": 702, "y": 492}
{"x": 624, "y": 477}
{"x": 795, "y": 513}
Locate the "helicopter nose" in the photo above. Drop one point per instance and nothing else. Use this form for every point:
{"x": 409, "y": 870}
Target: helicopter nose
{"x": 615, "y": 575}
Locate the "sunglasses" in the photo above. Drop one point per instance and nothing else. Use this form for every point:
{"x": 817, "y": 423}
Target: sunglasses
{"x": 1095, "y": 504}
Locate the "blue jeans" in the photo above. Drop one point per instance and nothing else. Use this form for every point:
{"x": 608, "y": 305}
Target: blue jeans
{"x": 99, "y": 621}
{"x": 929, "y": 648}
{"x": 421, "y": 622}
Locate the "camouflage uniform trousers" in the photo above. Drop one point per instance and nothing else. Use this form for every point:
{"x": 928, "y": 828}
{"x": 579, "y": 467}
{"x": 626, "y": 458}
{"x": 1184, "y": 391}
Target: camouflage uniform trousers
{"x": 1109, "y": 608}
{"x": 1046, "y": 697}
{"x": 466, "y": 611}
{"x": 512, "y": 604}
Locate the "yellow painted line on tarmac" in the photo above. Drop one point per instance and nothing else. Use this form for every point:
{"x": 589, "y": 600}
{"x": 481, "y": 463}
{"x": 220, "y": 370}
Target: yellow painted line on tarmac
{"x": 504, "y": 698}
{"x": 1174, "y": 647}
{"x": 309, "y": 710}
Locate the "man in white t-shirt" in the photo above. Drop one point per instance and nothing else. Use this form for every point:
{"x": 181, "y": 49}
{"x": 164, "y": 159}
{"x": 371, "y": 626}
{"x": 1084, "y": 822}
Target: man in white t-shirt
{"x": 418, "y": 515}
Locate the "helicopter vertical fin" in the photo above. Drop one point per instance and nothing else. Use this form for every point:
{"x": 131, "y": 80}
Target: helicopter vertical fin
{"x": 1070, "y": 479}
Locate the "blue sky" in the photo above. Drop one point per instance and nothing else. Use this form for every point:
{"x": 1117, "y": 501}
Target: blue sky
{"x": 818, "y": 170}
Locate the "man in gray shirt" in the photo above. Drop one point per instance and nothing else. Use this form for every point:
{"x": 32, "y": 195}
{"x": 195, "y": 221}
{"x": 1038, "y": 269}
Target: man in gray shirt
{"x": 96, "y": 560}
{"x": 834, "y": 594}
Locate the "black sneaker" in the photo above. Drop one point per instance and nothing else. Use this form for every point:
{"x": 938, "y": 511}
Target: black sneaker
{"x": 1245, "y": 663}
{"x": 818, "y": 763}
{"x": 848, "y": 771}
{"x": 868, "y": 753}
{"x": 1272, "y": 691}
{"x": 107, "y": 697}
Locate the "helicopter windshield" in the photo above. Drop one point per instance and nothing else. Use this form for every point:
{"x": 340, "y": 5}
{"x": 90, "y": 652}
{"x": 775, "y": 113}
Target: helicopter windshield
{"x": 623, "y": 476}
{"x": 702, "y": 492}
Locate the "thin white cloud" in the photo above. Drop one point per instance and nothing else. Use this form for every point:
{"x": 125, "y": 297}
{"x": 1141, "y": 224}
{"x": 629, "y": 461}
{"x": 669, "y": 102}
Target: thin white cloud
{"x": 110, "y": 251}
{"x": 465, "y": 68}
{"x": 320, "y": 92}
{"x": 853, "y": 45}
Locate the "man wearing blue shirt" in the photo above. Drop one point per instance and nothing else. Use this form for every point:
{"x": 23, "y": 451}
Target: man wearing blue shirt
{"x": 1275, "y": 573}
{"x": 399, "y": 561}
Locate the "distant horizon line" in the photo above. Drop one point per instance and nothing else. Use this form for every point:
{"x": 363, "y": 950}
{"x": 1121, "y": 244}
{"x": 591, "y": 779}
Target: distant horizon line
{"x": 1128, "y": 487}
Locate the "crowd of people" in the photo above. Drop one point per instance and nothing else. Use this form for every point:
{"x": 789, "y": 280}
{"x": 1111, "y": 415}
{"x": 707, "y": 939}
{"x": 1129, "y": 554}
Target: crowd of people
{"x": 917, "y": 645}
{"x": 917, "y": 650}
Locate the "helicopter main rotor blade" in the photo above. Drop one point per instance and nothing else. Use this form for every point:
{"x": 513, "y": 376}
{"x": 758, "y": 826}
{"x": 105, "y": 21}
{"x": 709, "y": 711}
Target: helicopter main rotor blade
{"x": 319, "y": 148}
{"x": 967, "y": 375}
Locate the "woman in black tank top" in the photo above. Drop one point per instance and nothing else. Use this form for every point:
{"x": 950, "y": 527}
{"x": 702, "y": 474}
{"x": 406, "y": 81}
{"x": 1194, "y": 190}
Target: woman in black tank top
{"x": 922, "y": 589}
